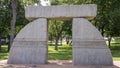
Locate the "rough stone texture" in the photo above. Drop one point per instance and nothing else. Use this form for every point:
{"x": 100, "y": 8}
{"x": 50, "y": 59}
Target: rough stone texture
{"x": 87, "y": 11}
{"x": 30, "y": 45}
{"x": 89, "y": 47}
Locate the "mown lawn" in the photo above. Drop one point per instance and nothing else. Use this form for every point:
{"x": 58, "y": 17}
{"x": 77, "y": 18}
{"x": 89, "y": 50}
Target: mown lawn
{"x": 115, "y": 50}
{"x": 64, "y": 52}
{"x": 4, "y": 53}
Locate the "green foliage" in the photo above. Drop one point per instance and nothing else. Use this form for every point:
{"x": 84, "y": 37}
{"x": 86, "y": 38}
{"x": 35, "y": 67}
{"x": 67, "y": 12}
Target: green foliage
{"x": 70, "y": 2}
{"x": 105, "y": 20}
{"x": 55, "y": 27}
{"x": 67, "y": 30}
{"x": 5, "y": 17}
{"x": 21, "y": 20}
{"x": 27, "y": 2}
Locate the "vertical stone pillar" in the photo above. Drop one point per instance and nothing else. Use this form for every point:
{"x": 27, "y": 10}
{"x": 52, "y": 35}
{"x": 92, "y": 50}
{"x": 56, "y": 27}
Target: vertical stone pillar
{"x": 89, "y": 47}
{"x": 30, "y": 45}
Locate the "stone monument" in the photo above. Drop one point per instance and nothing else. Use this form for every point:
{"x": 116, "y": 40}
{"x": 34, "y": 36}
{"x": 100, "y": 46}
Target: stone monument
{"x": 89, "y": 48}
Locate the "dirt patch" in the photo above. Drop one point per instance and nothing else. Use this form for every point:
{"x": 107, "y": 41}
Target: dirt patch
{"x": 54, "y": 64}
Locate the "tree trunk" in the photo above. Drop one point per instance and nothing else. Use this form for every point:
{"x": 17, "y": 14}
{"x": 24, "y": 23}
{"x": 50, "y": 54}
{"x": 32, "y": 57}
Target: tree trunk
{"x": 51, "y": 39}
{"x": 57, "y": 39}
{"x": 102, "y": 31}
{"x": 67, "y": 40}
{"x": 95, "y": 23}
{"x": 109, "y": 41}
{"x": 13, "y": 21}
{"x": 56, "y": 43}
{"x": 61, "y": 41}
{"x": 8, "y": 43}
{"x": 58, "y": 34}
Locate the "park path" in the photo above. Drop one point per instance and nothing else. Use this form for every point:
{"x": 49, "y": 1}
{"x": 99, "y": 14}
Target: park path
{"x": 54, "y": 64}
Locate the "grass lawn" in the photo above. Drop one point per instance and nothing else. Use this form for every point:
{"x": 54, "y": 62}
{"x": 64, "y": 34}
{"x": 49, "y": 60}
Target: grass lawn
{"x": 115, "y": 50}
{"x": 64, "y": 52}
{"x": 4, "y": 53}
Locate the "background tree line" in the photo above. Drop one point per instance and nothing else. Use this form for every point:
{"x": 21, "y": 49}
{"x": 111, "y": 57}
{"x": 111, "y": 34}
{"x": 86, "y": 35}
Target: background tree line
{"x": 12, "y": 18}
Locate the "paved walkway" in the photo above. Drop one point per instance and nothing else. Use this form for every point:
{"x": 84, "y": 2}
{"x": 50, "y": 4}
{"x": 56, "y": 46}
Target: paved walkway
{"x": 54, "y": 64}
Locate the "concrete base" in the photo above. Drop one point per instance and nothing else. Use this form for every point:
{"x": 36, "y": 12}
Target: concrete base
{"x": 89, "y": 47}
{"x": 87, "y": 56}
{"x": 30, "y": 45}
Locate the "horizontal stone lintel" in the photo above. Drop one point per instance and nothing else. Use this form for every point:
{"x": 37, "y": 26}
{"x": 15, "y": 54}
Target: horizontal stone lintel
{"x": 60, "y": 11}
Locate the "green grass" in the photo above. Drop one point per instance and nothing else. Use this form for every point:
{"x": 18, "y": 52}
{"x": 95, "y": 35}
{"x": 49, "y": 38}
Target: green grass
{"x": 4, "y": 53}
{"x": 115, "y": 50}
{"x": 64, "y": 52}
{"x": 116, "y": 40}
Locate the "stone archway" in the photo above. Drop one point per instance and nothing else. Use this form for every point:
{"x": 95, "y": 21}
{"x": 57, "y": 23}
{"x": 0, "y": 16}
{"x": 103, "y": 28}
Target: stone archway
{"x": 89, "y": 48}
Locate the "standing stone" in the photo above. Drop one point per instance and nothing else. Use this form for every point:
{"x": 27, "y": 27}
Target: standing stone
{"x": 89, "y": 47}
{"x": 30, "y": 45}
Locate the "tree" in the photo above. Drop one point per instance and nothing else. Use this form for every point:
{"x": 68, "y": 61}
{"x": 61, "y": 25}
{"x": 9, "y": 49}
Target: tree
{"x": 13, "y": 21}
{"x": 21, "y": 21}
{"x": 55, "y": 30}
{"x": 67, "y": 30}
{"x": 107, "y": 19}
{"x": 5, "y": 17}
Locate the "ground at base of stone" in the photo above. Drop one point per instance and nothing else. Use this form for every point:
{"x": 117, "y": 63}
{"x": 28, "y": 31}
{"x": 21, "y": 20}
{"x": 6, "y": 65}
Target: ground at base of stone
{"x": 54, "y": 64}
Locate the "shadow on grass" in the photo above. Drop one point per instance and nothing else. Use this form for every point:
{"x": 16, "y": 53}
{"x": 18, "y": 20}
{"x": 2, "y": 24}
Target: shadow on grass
{"x": 115, "y": 46}
{"x": 115, "y": 50}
